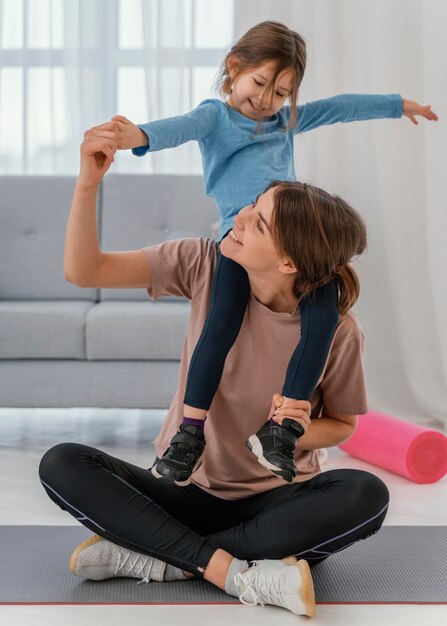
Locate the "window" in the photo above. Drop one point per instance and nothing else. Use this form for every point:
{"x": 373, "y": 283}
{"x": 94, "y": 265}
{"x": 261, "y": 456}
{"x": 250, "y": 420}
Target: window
{"x": 68, "y": 65}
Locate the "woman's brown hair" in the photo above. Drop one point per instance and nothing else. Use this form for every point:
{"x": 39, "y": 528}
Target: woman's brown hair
{"x": 321, "y": 234}
{"x": 267, "y": 41}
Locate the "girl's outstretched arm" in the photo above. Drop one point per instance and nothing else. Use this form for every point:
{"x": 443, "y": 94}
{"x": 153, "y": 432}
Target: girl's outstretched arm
{"x": 351, "y": 107}
{"x": 168, "y": 132}
{"x": 347, "y": 107}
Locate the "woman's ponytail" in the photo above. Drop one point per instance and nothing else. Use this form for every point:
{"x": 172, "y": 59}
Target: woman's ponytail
{"x": 321, "y": 233}
{"x": 348, "y": 288}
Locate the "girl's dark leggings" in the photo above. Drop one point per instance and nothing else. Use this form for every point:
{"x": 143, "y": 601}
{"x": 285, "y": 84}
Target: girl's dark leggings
{"x": 229, "y": 296}
{"x": 184, "y": 526}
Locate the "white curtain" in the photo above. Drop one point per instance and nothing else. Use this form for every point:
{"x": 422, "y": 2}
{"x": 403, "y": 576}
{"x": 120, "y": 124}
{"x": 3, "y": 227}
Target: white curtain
{"x": 391, "y": 171}
{"x": 67, "y": 65}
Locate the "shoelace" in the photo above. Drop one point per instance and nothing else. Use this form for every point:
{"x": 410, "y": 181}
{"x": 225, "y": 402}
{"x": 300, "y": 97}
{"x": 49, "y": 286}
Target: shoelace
{"x": 133, "y": 564}
{"x": 264, "y": 588}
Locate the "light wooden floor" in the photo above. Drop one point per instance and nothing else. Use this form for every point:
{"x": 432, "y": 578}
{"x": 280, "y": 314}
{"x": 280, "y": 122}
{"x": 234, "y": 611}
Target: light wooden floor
{"x": 25, "y": 434}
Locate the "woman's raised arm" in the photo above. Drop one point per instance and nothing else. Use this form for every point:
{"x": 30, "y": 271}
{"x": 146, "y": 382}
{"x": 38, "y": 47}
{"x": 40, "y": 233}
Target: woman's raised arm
{"x": 85, "y": 264}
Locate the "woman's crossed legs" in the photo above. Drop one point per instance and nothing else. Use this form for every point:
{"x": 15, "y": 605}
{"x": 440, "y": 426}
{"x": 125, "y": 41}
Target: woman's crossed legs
{"x": 186, "y": 526}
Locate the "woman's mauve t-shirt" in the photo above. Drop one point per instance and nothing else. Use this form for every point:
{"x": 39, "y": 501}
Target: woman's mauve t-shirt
{"x": 254, "y": 370}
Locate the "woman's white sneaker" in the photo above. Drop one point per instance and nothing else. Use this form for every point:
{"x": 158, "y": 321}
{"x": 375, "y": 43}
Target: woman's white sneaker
{"x": 97, "y": 558}
{"x": 269, "y": 582}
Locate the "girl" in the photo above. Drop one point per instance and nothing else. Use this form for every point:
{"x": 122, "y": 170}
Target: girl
{"x": 246, "y": 141}
{"x": 237, "y": 522}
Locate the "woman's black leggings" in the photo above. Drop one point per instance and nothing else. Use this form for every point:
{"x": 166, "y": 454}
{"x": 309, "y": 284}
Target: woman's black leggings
{"x": 184, "y": 526}
{"x": 229, "y": 296}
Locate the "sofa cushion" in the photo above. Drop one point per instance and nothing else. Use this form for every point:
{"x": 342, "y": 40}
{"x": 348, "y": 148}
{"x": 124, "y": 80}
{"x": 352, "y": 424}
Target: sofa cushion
{"x": 136, "y": 330}
{"x": 162, "y": 207}
{"x": 47, "y": 329}
{"x": 33, "y": 219}
{"x": 74, "y": 383}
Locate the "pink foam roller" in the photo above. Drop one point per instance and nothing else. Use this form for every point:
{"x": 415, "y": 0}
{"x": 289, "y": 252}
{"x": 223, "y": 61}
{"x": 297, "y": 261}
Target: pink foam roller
{"x": 410, "y": 450}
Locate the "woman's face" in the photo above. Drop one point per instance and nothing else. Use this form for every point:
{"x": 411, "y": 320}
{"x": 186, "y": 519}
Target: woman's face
{"x": 250, "y": 241}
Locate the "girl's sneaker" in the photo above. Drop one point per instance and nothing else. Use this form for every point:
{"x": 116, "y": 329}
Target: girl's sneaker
{"x": 274, "y": 447}
{"x": 183, "y": 456}
{"x": 269, "y": 582}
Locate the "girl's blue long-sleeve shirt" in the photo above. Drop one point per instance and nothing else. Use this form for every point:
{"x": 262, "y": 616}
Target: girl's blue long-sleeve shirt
{"x": 240, "y": 158}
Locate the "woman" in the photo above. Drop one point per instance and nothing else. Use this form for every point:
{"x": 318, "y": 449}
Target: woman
{"x": 236, "y": 525}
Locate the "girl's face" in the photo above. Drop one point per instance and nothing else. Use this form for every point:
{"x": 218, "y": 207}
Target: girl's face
{"x": 250, "y": 241}
{"x": 253, "y": 96}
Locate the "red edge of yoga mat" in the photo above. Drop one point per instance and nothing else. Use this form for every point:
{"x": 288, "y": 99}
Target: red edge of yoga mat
{"x": 194, "y": 603}
{"x": 402, "y": 447}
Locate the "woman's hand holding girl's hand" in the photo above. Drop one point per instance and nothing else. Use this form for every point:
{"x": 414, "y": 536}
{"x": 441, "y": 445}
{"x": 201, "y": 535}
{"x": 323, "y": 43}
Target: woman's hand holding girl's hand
{"x": 298, "y": 410}
{"x": 98, "y": 152}
{"x": 411, "y": 109}
{"x": 130, "y": 136}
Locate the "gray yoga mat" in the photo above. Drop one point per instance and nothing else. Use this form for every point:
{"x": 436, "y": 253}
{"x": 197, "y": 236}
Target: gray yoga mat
{"x": 399, "y": 564}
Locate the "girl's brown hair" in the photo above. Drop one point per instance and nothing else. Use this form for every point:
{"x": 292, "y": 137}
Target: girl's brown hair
{"x": 267, "y": 41}
{"x": 321, "y": 234}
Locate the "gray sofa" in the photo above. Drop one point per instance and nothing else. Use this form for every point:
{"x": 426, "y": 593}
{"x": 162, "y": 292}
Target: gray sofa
{"x": 63, "y": 346}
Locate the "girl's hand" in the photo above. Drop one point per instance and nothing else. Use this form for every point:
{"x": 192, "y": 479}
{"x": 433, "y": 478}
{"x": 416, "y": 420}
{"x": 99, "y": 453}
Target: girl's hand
{"x": 411, "y": 109}
{"x": 130, "y": 136}
{"x": 98, "y": 152}
{"x": 298, "y": 410}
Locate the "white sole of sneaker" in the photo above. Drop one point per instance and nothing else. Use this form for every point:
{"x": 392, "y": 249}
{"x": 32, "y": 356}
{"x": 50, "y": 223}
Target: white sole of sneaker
{"x": 306, "y": 591}
{"x": 81, "y": 547}
{"x": 179, "y": 483}
{"x": 255, "y": 446}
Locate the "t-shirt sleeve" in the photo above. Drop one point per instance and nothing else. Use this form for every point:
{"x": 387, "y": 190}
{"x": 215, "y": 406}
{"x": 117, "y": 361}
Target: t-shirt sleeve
{"x": 343, "y": 384}
{"x": 180, "y": 266}
{"x": 174, "y": 131}
{"x": 348, "y": 107}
